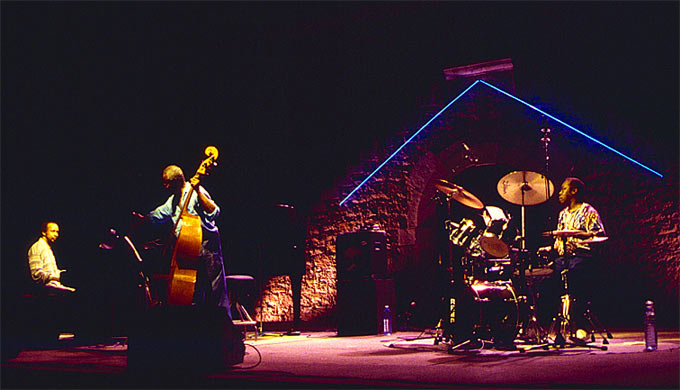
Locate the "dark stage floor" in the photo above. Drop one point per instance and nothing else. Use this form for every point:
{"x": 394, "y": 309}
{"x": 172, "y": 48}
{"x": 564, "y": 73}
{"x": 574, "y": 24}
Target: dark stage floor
{"x": 405, "y": 359}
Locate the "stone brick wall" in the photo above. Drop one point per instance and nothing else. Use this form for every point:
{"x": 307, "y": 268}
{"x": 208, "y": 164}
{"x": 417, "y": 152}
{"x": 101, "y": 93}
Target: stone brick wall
{"x": 640, "y": 211}
{"x": 643, "y": 257}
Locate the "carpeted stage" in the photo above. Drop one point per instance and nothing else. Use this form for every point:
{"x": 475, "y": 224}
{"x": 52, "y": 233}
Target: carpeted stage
{"x": 320, "y": 359}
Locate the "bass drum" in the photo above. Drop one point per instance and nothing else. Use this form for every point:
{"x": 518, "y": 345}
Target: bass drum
{"x": 487, "y": 311}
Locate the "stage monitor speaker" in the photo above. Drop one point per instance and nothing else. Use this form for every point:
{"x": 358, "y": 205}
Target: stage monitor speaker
{"x": 183, "y": 339}
{"x": 360, "y": 305}
{"x": 361, "y": 254}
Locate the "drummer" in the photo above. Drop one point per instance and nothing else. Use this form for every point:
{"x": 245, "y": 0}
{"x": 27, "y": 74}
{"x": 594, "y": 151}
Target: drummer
{"x": 577, "y": 222}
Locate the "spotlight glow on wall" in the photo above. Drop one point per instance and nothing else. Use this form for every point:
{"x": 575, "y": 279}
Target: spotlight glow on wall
{"x": 510, "y": 96}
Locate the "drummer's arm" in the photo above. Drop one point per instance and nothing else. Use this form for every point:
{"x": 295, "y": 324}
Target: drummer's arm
{"x": 548, "y": 248}
{"x": 571, "y": 233}
{"x": 583, "y": 235}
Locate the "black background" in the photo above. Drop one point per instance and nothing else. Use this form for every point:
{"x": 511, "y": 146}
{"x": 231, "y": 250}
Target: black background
{"x": 98, "y": 97}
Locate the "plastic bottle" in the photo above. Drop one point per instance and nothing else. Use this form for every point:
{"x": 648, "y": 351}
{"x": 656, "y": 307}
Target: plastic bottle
{"x": 650, "y": 327}
{"x": 387, "y": 321}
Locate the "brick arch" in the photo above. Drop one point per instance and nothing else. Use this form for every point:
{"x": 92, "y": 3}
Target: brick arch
{"x": 448, "y": 164}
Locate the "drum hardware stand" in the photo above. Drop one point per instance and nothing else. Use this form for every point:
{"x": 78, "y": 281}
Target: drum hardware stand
{"x": 533, "y": 323}
{"x": 465, "y": 344}
{"x": 593, "y": 320}
{"x": 480, "y": 343}
{"x": 521, "y": 265}
{"x": 532, "y": 329}
{"x": 471, "y": 340}
{"x": 562, "y": 324}
{"x": 450, "y": 300}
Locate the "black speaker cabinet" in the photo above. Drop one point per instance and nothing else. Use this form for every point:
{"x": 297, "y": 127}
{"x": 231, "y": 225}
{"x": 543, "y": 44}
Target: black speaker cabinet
{"x": 361, "y": 254}
{"x": 187, "y": 339}
{"x": 360, "y": 305}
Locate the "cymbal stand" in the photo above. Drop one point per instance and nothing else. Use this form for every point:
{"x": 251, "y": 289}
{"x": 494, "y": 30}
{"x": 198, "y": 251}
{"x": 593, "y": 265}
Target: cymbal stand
{"x": 546, "y": 140}
{"x": 531, "y": 329}
{"x": 525, "y": 187}
{"x": 521, "y": 266}
{"x": 533, "y": 323}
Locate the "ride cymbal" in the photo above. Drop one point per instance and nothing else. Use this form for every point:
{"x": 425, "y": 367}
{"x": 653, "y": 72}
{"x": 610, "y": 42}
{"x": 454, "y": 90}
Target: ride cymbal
{"x": 525, "y": 188}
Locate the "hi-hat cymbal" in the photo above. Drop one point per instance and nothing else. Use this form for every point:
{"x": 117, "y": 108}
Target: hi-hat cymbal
{"x": 459, "y": 194}
{"x": 525, "y": 188}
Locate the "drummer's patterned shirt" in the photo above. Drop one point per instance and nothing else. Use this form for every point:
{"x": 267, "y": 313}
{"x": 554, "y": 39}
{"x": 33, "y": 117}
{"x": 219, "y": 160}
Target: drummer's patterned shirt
{"x": 585, "y": 218}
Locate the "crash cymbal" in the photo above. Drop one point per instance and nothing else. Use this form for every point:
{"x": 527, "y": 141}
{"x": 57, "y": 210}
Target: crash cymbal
{"x": 594, "y": 240}
{"x": 525, "y": 188}
{"x": 459, "y": 194}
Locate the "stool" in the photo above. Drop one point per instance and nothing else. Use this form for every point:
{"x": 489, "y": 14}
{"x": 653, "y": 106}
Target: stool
{"x": 37, "y": 325}
{"x": 235, "y": 285}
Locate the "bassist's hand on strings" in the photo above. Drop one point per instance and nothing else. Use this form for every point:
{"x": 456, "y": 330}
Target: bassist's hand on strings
{"x": 195, "y": 182}
{"x": 207, "y": 203}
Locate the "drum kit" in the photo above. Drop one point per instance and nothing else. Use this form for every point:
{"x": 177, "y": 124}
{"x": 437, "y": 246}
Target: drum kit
{"x": 493, "y": 281}
{"x": 498, "y": 300}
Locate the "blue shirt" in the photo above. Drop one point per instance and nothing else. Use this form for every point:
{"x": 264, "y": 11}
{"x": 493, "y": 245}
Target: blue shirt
{"x": 171, "y": 209}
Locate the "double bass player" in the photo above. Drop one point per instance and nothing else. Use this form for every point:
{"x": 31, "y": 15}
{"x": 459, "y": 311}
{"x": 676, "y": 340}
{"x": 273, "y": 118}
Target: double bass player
{"x": 210, "y": 284}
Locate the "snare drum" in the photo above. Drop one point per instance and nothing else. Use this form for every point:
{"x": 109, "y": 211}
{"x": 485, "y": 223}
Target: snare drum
{"x": 496, "y": 269}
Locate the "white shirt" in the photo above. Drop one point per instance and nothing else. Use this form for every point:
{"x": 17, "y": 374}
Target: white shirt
{"x": 41, "y": 262}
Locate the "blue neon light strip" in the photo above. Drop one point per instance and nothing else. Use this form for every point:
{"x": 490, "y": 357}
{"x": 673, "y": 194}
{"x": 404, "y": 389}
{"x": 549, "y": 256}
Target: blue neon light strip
{"x": 513, "y": 97}
{"x": 572, "y": 128}
{"x": 407, "y": 141}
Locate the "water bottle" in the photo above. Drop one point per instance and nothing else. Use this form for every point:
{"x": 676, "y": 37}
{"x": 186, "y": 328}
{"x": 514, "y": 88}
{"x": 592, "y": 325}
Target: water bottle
{"x": 650, "y": 327}
{"x": 387, "y": 321}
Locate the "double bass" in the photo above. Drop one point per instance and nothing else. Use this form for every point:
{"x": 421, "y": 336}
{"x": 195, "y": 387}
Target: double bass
{"x": 187, "y": 249}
